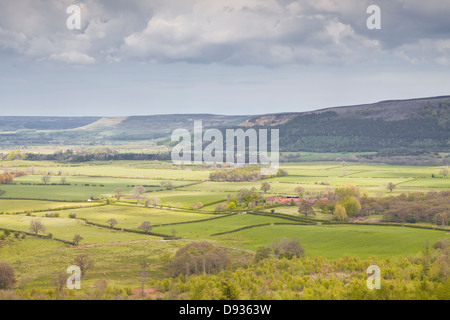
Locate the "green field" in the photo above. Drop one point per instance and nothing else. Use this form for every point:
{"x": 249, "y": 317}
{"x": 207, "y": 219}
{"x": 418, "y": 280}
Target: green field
{"x": 10, "y": 205}
{"x": 117, "y": 254}
{"x": 129, "y": 216}
{"x": 340, "y": 240}
{"x": 66, "y": 229}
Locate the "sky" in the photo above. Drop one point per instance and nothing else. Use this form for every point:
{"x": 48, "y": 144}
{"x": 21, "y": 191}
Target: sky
{"x": 140, "y": 57}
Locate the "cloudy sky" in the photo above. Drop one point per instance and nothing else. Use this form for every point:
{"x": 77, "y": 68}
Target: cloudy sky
{"x": 135, "y": 57}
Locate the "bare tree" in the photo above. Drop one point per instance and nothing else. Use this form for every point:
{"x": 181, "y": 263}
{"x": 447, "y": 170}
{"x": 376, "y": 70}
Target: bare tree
{"x": 118, "y": 193}
{"x": 7, "y": 277}
{"x": 196, "y": 205}
{"x": 77, "y": 238}
{"x": 137, "y": 193}
{"x": 60, "y": 280}
{"x": 390, "y": 186}
{"x": 112, "y": 222}
{"x": 154, "y": 202}
{"x": 36, "y": 225}
{"x": 84, "y": 263}
{"x": 143, "y": 277}
{"x": 46, "y": 178}
{"x": 146, "y": 226}
{"x": 287, "y": 248}
{"x": 167, "y": 184}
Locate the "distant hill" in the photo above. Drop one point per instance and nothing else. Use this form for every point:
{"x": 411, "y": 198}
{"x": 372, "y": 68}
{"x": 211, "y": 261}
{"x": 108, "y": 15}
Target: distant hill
{"x": 412, "y": 125}
{"x": 43, "y": 123}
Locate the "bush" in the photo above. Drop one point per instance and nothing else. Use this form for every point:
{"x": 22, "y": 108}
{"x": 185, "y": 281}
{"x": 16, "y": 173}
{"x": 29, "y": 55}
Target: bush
{"x": 197, "y": 258}
{"x": 73, "y": 215}
{"x": 7, "y": 278}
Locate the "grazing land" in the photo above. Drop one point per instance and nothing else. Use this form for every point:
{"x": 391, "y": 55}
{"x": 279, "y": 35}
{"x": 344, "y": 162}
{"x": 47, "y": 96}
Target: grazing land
{"x": 80, "y": 199}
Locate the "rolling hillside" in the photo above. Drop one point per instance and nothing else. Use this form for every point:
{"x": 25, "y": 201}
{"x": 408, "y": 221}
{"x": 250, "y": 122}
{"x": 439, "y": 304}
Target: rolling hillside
{"x": 411, "y": 125}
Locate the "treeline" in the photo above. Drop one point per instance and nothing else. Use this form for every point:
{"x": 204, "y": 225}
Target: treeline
{"x": 199, "y": 258}
{"x": 72, "y": 156}
{"x": 242, "y": 174}
{"x": 431, "y": 207}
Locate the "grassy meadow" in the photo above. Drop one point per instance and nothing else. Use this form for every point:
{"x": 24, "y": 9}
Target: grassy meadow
{"x": 117, "y": 253}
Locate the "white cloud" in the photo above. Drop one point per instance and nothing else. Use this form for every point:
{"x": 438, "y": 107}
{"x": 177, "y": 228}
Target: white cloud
{"x": 238, "y": 32}
{"x": 73, "y": 57}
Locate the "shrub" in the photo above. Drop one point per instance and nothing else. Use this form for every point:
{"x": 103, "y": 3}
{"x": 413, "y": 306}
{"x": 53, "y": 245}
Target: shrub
{"x": 7, "y": 278}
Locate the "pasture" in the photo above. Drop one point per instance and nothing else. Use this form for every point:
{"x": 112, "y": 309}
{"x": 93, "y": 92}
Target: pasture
{"x": 117, "y": 254}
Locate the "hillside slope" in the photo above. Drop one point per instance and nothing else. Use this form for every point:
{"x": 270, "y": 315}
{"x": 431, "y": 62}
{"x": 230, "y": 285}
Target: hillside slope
{"x": 414, "y": 124}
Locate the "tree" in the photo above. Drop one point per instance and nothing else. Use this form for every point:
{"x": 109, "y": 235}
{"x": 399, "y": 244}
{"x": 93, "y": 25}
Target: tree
{"x": 196, "y": 205}
{"x": 299, "y": 190}
{"x": 442, "y": 217}
{"x": 390, "y": 186}
{"x": 232, "y": 206}
{"x": 262, "y": 253}
{"x": 60, "y": 280}
{"x": 112, "y": 222}
{"x": 7, "y": 277}
{"x": 167, "y": 184}
{"x": 35, "y": 226}
{"x": 352, "y": 206}
{"x": 63, "y": 180}
{"x": 2, "y": 179}
{"x": 117, "y": 193}
{"x": 340, "y": 213}
{"x": 146, "y": 226}
{"x": 153, "y": 202}
{"x": 265, "y": 186}
{"x": 444, "y": 172}
{"x": 306, "y": 208}
{"x": 287, "y": 248}
{"x": 221, "y": 207}
{"x": 84, "y": 263}
{"x": 346, "y": 191}
{"x": 143, "y": 277}
{"x": 9, "y": 177}
{"x": 46, "y": 178}
{"x": 229, "y": 290}
{"x": 137, "y": 192}
{"x": 77, "y": 238}
{"x": 197, "y": 258}
{"x": 2, "y": 192}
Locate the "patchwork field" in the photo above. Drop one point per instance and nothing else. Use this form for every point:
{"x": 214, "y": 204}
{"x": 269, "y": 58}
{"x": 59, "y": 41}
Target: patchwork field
{"x": 118, "y": 254}
{"x": 340, "y": 240}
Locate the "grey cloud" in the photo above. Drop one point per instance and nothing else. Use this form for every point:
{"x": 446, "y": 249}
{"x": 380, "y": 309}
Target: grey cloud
{"x": 264, "y": 32}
